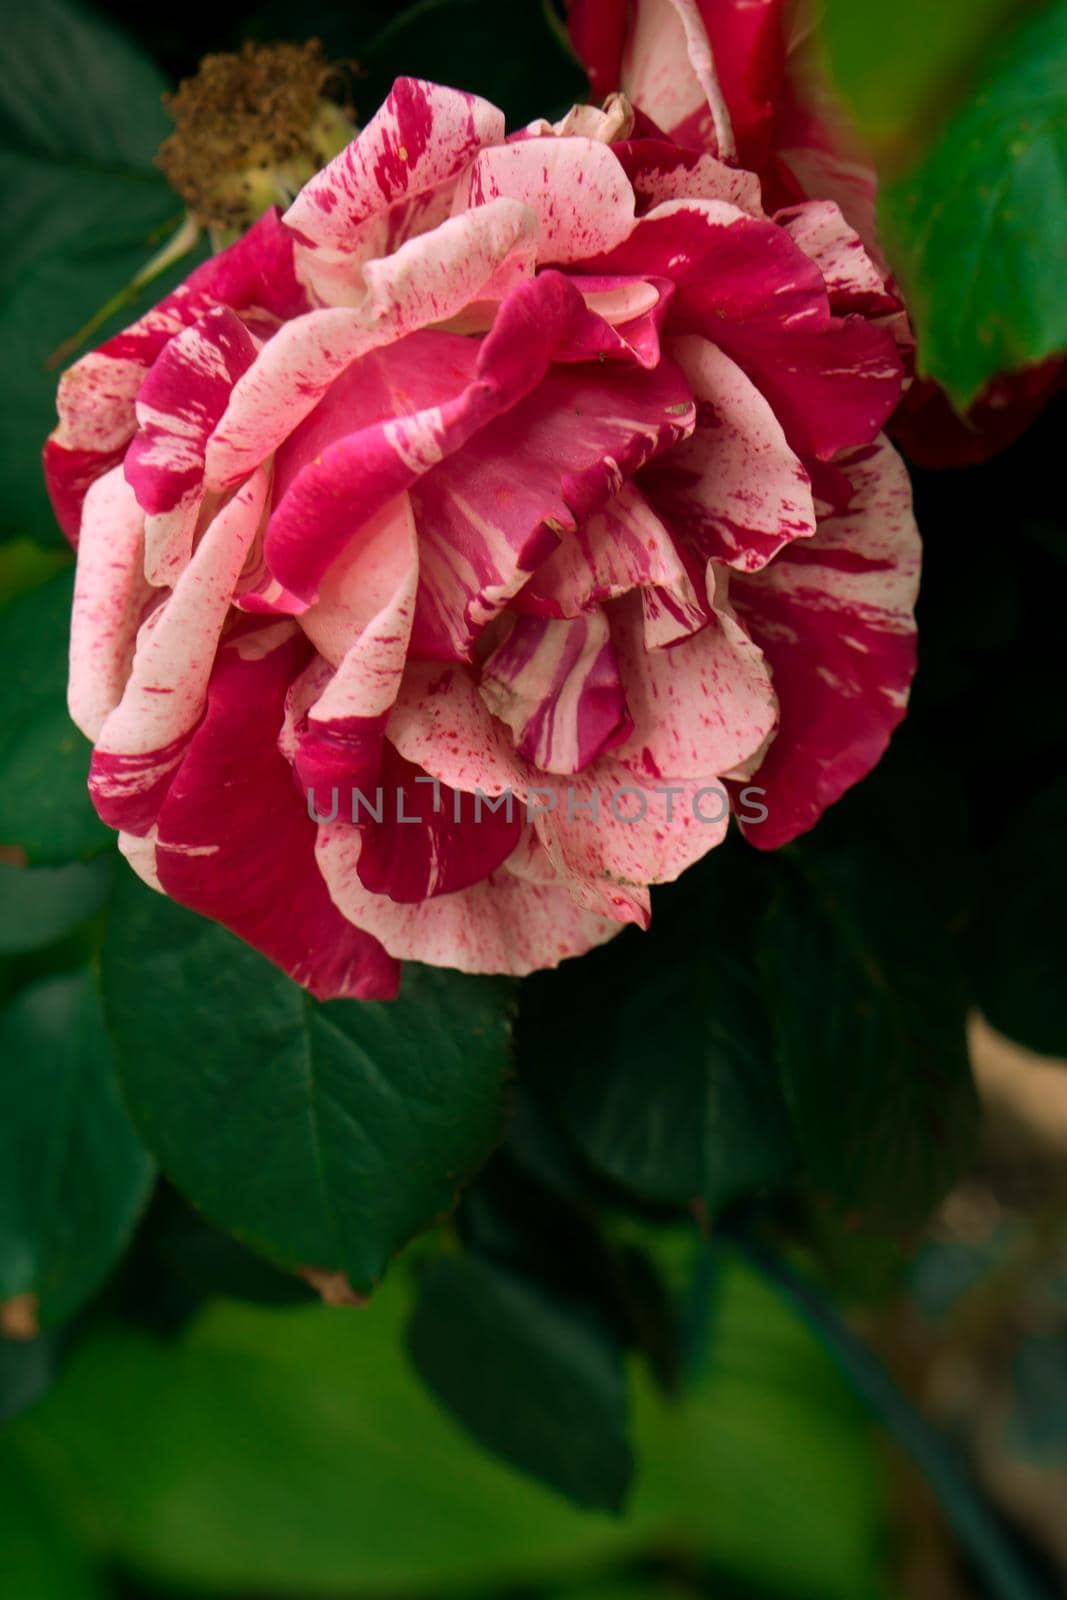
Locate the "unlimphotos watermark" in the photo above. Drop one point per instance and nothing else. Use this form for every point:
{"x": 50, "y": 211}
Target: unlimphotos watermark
{"x": 629, "y": 803}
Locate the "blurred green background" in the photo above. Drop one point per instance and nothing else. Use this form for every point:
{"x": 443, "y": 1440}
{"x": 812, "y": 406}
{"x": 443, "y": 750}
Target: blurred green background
{"x": 293, "y": 1452}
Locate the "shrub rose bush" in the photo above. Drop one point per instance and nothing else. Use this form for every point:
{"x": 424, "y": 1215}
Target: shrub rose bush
{"x": 545, "y": 468}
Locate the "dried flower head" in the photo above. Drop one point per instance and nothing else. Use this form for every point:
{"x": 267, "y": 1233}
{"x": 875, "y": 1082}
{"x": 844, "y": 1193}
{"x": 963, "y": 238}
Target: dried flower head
{"x": 251, "y": 127}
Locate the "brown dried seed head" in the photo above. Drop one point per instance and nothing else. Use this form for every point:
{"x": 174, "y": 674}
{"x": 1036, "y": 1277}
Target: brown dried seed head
{"x": 250, "y": 128}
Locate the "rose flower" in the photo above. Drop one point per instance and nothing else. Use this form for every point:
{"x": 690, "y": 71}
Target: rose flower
{"x": 745, "y": 80}
{"x": 533, "y": 488}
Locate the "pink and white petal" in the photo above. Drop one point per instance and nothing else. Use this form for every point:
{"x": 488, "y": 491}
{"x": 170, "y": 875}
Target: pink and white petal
{"x": 256, "y": 590}
{"x": 491, "y": 514}
{"x": 598, "y": 34}
{"x": 672, "y": 612}
{"x": 819, "y": 169}
{"x": 623, "y": 547}
{"x": 834, "y": 617}
{"x": 336, "y": 275}
{"x": 668, "y": 72}
{"x": 304, "y": 690}
{"x": 853, "y": 281}
{"x": 836, "y": 390}
{"x": 624, "y": 321}
{"x": 505, "y": 924}
{"x": 581, "y": 195}
{"x": 348, "y": 480}
{"x": 745, "y": 285}
{"x": 529, "y": 859}
{"x": 422, "y": 137}
{"x": 429, "y": 840}
{"x": 169, "y": 537}
{"x": 616, "y": 830}
{"x": 608, "y": 123}
{"x": 748, "y": 40}
{"x": 143, "y": 739}
{"x": 96, "y": 397}
{"x": 659, "y": 171}
{"x": 422, "y": 134}
{"x": 623, "y": 904}
{"x": 140, "y": 851}
{"x": 292, "y": 373}
{"x": 248, "y": 860}
{"x": 746, "y": 268}
{"x": 70, "y": 472}
{"x": 424, "y": 371}
{"x": 477, "y": 255}
{"x": 621, "y": 300}
{"x": 700, "y": 707}
{"x": 429, "y": 279}
{"x": 256, "y": 276}
{"x": 734, "y": 490}
{"x": 178, "y": 405}
{"x": 617, "y": 903}
{"x": 361, "y": 623}
{"x": 556, "y": 684}
{"x": 629, "y": 904}
{"x": 375, "y": 574}
{"x": 110, "y": 597}
{"x": 441, "y": 724}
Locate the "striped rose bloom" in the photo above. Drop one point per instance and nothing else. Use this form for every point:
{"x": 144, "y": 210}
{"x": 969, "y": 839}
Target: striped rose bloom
{"x": 542, "y": 468}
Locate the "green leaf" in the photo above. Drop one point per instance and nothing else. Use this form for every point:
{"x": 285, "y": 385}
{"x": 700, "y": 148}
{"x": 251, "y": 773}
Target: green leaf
{"x": 28, "y": 1369}
{"x": 1019, "y": 937}
{"x": 565, "y": 1247}
{"x": 73, "y": 1176}
{"x": 868, "y": 1011}
{"x": 709, "y": 1128}
{"x": 295, "y": 1452}
{"x": 901, "y": 65}
{"x": 44, "y": 804}
{"x": 39, "y": 905}
{"x": 75, "y": 86}
{"x": 179, "y": 1262}
{"x": 768, "y": 1437}
{"x": 523, "y": 65}
{"x": 80, "y": 123}
{"x": 324, "y": 1136}
{"x": 536, "y": 1379}
{"x": 687, "y": 993}
{"x": 977, "y": 231}
{"x": 633, "y": 1586}
{"x": 41, "y": 1560}
{"x": 24, "y": 564}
